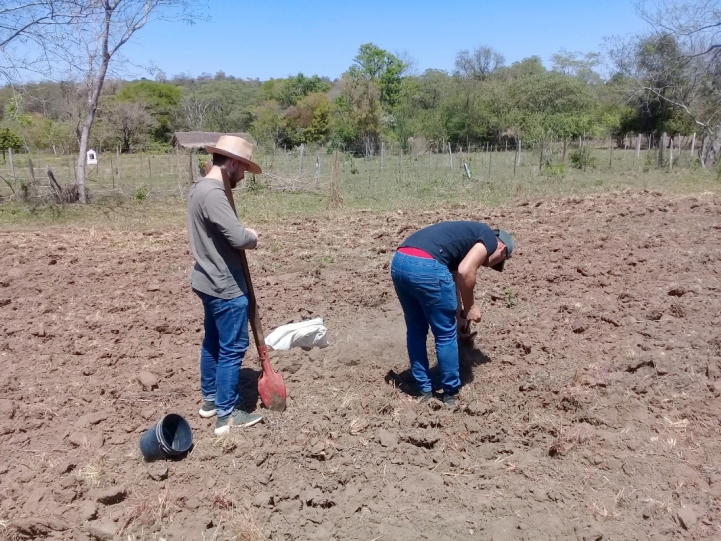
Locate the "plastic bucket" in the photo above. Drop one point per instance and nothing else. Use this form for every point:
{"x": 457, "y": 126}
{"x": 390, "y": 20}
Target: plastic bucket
{"x": 170, "y": 437}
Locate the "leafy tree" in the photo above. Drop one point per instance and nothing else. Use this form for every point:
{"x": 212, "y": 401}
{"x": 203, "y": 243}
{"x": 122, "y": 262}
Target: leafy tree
{"x": 160, "y": 100}
{"x": 9, "y": 140}
{"x": 675, "y": 67}
{"x": 379, "y": 67}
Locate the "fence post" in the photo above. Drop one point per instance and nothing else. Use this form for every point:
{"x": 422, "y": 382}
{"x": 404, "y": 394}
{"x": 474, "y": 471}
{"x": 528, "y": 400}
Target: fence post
{"x": 32, "y": 170}
{"x": 150, "y": 169}
{"x": 400, "y": 166}
{"x": 302, "y": 151}
{"x": 317, "y": 171}
{"x": 670, "y": 154}
{"x": 489, "y": 164}
{"x": 638, "y": 145}
{"x": 383, "y": 151}
{"x": 12, "y": 166}
{"x": 119, "y": 175}
{"x": 519, "y": 150}
{"x": 610, "y": 154}
{"x": 661, "y": 148}
{"x": 190, "y": 166}
{"x": 693, "y": 144}
{"x": 450, "y": 153}
{"x": 112, "y": 172}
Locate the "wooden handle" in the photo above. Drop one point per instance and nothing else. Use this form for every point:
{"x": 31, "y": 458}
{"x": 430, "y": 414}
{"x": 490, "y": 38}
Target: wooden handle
{"x": 254, "y": 313}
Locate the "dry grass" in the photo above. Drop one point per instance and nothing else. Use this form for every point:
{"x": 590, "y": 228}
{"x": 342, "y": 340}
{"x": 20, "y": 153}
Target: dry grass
{"x": 160, "y": 509}
{"x": 227, "y": 442}
{"x": 357, "y": 426}
{"x": 241, "y": 527}
{"x": 93, "y": 473}
{"x": 569, "y": 440}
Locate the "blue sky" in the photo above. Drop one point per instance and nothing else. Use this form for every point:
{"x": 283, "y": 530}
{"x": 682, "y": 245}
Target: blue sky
{"x": 281, "y": 38}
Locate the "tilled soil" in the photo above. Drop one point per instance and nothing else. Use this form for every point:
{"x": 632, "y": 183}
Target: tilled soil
{"x": 590, "y": 406}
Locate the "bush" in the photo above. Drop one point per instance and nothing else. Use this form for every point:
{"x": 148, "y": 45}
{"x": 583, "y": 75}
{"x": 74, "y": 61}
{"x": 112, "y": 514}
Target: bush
{"x": 582, "y": 158}
{"x": 140, "y": 193}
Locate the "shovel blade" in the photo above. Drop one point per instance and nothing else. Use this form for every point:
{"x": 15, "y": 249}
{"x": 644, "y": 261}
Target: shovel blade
{"x": 271, "y": 388}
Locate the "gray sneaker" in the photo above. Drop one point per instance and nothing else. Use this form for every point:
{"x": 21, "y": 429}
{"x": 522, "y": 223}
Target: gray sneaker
{"x": 237, "y": 418}
{"x": 426, "y": 396}
{"x": 450, "y": 399}
{"x": 207, "y": 410}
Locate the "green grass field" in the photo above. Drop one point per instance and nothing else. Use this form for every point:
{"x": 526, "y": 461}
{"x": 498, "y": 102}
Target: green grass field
{"x": 149, "y": 190}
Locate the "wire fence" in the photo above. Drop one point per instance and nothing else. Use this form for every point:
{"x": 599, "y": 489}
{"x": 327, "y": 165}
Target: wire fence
{"x": 307, "y": 169}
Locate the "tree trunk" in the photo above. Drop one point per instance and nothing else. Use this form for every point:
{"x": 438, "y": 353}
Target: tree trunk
{"x": 94, "y": 89}
{"x": 711, "y": 147}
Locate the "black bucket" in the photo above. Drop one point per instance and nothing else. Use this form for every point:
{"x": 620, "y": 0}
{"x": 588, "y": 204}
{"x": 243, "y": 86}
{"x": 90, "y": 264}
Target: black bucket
{"x": 171, "y": 437}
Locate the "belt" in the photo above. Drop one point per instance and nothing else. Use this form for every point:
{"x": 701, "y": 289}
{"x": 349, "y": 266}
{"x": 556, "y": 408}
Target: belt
{"x": 415, "y": 252}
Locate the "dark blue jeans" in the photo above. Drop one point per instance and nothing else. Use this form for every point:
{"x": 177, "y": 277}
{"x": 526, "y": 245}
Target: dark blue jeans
{"x": 427, "y": 293}
{"x": 223, "y": 349}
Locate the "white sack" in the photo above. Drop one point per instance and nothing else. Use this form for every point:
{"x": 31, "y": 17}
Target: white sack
{"x": 305, "y": 334}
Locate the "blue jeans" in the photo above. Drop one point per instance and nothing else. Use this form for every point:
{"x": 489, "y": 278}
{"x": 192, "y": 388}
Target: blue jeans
{"x": 427, "y": 293}
{"x": 223, "y": 349}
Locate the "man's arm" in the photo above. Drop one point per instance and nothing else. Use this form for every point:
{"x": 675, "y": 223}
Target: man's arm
{"x": 221, "y": 214}
{"x": 466, "y": 281}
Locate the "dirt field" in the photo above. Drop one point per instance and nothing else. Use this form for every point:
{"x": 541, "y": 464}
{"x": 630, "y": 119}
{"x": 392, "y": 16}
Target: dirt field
{"x": 590, "y": 408}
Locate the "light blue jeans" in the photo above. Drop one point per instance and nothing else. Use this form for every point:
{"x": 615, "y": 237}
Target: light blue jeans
{"x": 427, "y": 294}
{"x": 223, "y": 349}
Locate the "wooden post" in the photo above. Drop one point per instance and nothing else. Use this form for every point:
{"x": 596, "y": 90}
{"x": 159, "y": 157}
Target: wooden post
{"x": 112, "y": 172}
{"x": 661, "y": 149}
{"x": 400, "y": 165}
{"x": 610, "y": 154}
{"x": 317, "y": 171}
{"x": 150, "y": 169}
{"x": 489, "y": 166}
{"x": 670, "y": 154}
{"x": 638, "y": 145}
{"x": 383, "y": 149}
{"x": 693, "y": 144}
{"x": 450, "y": 154}
{"x": 12, "y": 166}
{"x": 519, "y": 150}
{"x": 32, "y": 170}
{"x": 119, "y": 174}
{"x": 302, "y": 151}
{"x": 563, "y": 156}
{"x": 190, "y": 167}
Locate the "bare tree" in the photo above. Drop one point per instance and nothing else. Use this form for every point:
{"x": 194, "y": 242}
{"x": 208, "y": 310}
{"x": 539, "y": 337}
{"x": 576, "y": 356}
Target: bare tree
{"x": 85, "y": 44}
{"x": 679, "y": 63}
{"x": 478, "y": 64}
{"x": 130, "y": 122}
{"x": 195, "y": 109}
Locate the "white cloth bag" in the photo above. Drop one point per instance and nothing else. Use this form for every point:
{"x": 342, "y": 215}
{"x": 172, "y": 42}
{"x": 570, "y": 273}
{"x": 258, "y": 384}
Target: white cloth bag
{"x": 305, "y": 334}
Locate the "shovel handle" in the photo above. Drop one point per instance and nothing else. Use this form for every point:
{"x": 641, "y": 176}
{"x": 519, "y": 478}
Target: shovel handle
{"x": 254, "y": 314}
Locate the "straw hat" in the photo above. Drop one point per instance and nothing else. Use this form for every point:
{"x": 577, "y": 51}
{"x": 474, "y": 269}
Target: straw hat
{"x": 236, "y": 148}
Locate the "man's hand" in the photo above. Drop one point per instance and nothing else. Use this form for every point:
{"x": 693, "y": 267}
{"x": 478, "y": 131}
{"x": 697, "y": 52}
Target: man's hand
{"x": 474, "y": 314}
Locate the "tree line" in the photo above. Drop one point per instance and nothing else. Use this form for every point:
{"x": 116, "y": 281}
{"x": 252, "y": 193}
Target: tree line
{"x": 667, "y": 80}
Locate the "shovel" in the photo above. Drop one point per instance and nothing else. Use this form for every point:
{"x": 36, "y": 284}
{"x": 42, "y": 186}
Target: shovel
{"x": 271, "y": 386}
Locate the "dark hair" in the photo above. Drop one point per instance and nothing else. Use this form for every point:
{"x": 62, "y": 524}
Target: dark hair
{"x": 220, "y": 159}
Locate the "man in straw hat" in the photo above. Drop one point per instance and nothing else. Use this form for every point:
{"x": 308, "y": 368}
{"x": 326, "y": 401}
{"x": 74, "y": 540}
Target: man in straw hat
{"x": 434, "y": 274}
{"x": 216, "y": 236}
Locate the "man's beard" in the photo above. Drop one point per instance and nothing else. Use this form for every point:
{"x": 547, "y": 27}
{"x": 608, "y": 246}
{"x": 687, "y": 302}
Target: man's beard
{"x": 235, "y": 178}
